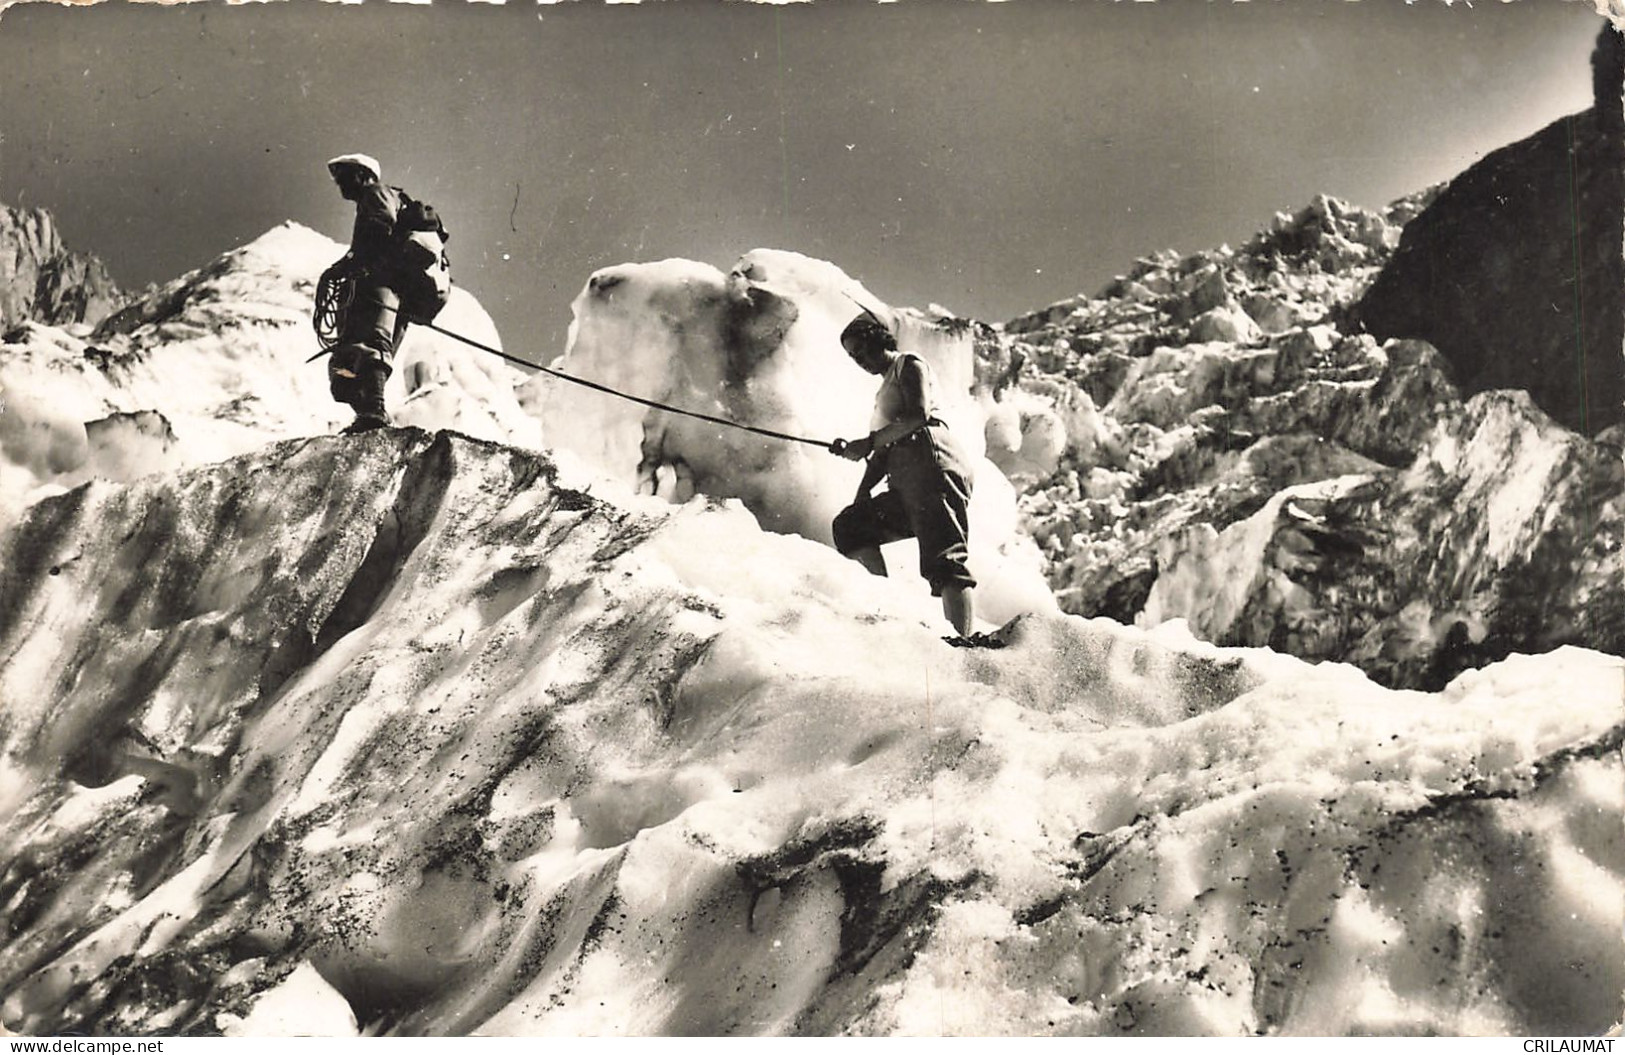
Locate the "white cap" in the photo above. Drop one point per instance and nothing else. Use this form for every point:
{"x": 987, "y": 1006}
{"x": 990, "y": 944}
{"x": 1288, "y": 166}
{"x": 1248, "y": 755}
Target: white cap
{"x": 360, "y": 161}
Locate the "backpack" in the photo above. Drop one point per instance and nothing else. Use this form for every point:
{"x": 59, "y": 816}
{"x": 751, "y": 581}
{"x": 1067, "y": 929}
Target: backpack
{"x": 423, "y": 272}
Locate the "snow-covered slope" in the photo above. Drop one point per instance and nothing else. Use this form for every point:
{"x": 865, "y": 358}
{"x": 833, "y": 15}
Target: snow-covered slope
{"x": 434, "y": 730}
{"x": 214, "y": 364}
{"x": 411, "y": 733}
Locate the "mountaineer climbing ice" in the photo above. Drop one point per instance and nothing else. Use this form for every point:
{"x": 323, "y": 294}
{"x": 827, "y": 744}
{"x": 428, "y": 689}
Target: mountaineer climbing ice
{"x": 395, "y": 272}
{"x": 928, "y": 478}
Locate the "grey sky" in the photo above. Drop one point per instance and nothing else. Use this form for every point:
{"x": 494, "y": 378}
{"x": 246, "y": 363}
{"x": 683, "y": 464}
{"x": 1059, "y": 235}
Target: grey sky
{"x": 990, "y": 157}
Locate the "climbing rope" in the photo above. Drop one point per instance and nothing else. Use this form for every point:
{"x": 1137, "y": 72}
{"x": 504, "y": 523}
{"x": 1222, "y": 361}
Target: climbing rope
{"x": 334, "y": 293}
{"x": 832, "y": 445}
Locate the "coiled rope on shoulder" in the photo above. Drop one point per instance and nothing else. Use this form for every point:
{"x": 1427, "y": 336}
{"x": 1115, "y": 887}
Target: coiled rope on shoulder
{"x": 335, "y": 291}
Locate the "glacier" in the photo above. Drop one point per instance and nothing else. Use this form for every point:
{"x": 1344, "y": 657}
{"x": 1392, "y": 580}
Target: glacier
{"x": 515, "y": 719}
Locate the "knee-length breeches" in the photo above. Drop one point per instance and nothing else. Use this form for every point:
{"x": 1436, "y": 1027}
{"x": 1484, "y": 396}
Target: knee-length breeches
{"x": 360, "y": 363}
{"x": 927, "y": 498}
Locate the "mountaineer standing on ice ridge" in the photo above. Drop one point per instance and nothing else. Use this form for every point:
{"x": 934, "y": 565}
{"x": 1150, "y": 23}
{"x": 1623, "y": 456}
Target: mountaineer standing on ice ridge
{"x": 395, "y": 253}
{"x": 928, "y": 478}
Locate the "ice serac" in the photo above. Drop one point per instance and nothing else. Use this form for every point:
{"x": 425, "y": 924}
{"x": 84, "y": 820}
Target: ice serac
{"x": 1299, "y": 484}
{"x": 43, "y": 281}
{"x": 1517, "y": 271}
{"x": 215, "y": 364}
{"x": 415, "y": 733}
{"x": 1497, "y": 539}
{"x": 760, "y": 346}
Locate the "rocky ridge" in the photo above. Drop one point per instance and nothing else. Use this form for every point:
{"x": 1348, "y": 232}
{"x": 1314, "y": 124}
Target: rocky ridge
{"x": 43, "y": 281}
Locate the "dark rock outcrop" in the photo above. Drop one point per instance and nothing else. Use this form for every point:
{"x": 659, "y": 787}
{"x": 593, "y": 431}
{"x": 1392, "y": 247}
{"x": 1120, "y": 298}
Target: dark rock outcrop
{"x": 42, "y": 281}
{"x": 1515, "y": 272}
